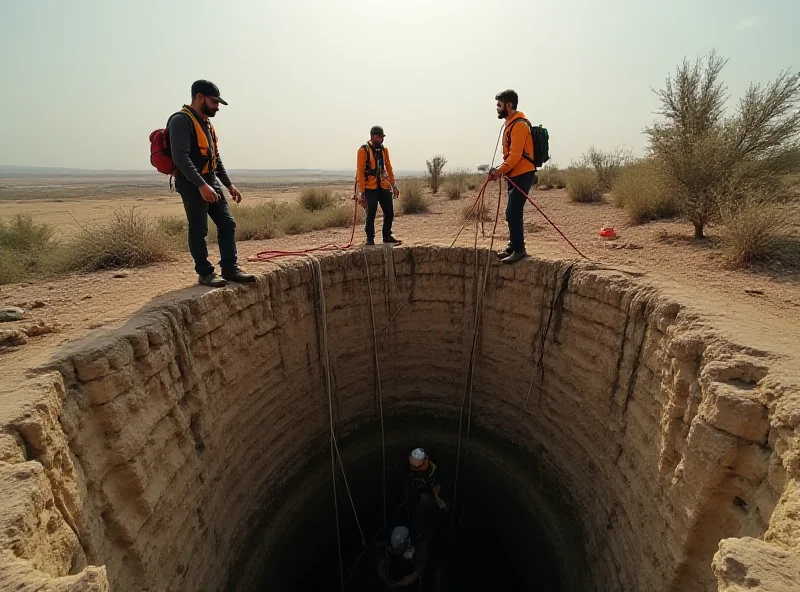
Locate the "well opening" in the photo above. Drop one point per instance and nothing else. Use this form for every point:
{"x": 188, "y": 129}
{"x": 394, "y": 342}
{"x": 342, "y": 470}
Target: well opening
{"x": 502, "y": 534}
{"x": 614, "y": 441}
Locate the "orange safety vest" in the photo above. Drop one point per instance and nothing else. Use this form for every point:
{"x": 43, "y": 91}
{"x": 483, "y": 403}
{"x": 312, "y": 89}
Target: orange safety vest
{"x": 202, "y": 142}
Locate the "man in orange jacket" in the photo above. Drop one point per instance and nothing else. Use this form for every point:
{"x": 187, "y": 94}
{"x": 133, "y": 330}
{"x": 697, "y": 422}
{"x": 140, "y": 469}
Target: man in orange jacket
{"x": 375, "y": 179}
{"x": 517, "y": 167}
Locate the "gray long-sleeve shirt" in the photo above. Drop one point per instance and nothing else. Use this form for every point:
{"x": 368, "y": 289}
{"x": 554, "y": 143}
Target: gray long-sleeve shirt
{"x": 186, "y": 154}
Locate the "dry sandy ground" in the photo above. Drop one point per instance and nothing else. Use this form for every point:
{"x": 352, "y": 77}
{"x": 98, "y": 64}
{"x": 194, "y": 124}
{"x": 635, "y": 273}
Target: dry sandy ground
{"x": 79, "y": 204}
{"x": 758, "y": 308}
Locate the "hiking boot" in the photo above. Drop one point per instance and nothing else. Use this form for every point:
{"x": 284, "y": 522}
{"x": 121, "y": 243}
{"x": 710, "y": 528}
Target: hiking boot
{"x": 212, "y": 280}
{"x": 392, "y": 241}
{"x": 515, "y": 256}
{"x": 238, "y": 275}
{"x": 370, "y": 242}
{"x": 505, "y": 252}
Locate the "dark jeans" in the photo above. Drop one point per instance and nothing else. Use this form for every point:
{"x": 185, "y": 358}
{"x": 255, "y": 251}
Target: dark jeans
{"x": 516, "y": 203}
{"x": 375, "y": 197}
{"x": 197, "y": 213}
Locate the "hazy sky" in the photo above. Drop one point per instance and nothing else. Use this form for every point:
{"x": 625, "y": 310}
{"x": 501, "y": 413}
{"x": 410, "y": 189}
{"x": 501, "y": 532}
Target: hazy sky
{"x": 84, "y": 82}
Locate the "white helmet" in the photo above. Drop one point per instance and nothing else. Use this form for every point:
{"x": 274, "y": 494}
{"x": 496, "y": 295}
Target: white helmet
{"x": 417, "y": 458}
{"x": 399, "y": 537}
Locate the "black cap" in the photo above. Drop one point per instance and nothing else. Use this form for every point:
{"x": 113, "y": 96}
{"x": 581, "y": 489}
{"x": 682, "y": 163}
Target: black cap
{"x": 207, "y": 88}
{"x": 376, "y": 131}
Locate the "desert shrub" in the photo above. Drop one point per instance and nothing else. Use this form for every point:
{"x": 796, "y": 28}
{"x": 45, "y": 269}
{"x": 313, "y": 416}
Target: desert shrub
{"x": 475, "y": 181}
{"x": 412, "y": 197}
{"x": 23, "y": 234}
{"x": 299, "y": 220}
{"x": 315, "y": 199}
{"x": 753, "y": 228}
{"x": 27, "y": 249}
{"x": 790, "y": 187}
{"x": 335, "y": 217}
{"x": 456, "y": 183}
{"x": 261, "y": 221}
{"x": 551, "y": 178}
{"x": 435, "y": 172}
{"x": 710, "y": 158}
{"x": 19, "y": 266}
{"x": 642, "y": 190}
{"x": 173, "y": 226}
{"x": 128, "y": 239}
{"x": 583, "y": 186}
{"x": 606, "y": 165}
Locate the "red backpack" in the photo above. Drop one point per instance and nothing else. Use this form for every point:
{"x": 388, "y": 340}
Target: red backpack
{"x": 160, "y": 154}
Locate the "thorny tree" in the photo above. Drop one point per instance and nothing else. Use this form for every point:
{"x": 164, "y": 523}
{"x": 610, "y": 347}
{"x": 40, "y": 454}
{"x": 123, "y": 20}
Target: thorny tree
{"x": 709, "y": 158}
{"x": 435, "y": 171}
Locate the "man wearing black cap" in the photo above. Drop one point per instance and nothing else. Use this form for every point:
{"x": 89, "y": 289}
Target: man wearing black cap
{"x": 375, "y": 179}
{"x": 193, "y": 144}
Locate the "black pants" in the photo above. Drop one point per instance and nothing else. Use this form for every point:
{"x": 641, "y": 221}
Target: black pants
{"x": 516, "y": 204}
{"x": 384, "y": 198}
{"x": 198, "y": 211}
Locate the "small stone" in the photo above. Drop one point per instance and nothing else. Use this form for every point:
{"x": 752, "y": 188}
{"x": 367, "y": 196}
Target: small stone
{"x": 10, "y": 313}
{"x": 754, "y": 292}
{"x": 37, "y": 304}
{"x": 12, "y": 338}
{"x": 120, "y": 274}
{"x": 40, "y": 328}
{"x": 87, "y": 297}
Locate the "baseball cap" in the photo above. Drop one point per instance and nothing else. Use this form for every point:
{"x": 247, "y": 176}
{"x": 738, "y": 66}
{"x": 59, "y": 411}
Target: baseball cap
{"x": 207, "y": 88}
{"x": 377, "y": 131}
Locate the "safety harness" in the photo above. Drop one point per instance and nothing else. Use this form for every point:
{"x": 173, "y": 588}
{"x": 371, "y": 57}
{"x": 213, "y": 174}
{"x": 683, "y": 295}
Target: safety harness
{"x": 371, "y": 168}
{"x": 422, "y": 479}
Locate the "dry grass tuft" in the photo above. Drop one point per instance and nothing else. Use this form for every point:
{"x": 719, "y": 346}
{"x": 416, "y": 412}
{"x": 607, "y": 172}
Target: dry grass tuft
{"x": 644, "y": 193}
{"x": 129, "y": 239}
{"x": 412, "y": 197}
{"x": 754, "y": 229}
{"x": 315, "y": 199}
{"x": 583, "y": 186}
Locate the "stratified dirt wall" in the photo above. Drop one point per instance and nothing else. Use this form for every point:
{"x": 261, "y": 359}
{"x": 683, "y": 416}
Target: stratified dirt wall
{"x": 149, "y": 455}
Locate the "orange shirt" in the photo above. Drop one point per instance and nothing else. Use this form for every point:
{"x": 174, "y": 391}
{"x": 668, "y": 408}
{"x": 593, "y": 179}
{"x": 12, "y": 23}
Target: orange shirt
{"x": 520, "y": 140}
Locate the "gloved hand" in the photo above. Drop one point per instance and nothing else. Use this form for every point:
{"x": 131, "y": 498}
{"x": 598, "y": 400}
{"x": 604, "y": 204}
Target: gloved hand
{"x": 494, "y": 174}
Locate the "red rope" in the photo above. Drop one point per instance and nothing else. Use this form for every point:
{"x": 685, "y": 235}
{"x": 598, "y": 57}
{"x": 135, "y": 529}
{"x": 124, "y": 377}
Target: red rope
{"x": 274, "y": 254}
{"x": 533, "y": 203}
{"x": 479, "y": 201}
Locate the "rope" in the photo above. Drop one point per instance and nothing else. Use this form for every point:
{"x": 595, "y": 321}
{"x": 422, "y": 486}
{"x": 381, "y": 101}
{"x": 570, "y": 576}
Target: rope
{"x": 274, "y": 254}
{"x": 564, "y": 280}
{"x": 334, "y": 446}
{"x": 533, "y": 203}
{"x": 480, "y": 193}
{"x": 479, "y": 297}
{"x": 377, "y": 383}
{"x": 324, "y": 321}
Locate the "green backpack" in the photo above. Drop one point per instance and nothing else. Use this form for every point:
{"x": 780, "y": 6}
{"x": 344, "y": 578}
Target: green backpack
{"x": 541, "y": 143}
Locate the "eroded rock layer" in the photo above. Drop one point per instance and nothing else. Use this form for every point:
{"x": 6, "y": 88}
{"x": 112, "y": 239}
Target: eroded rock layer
{"x": 167, "y": 456}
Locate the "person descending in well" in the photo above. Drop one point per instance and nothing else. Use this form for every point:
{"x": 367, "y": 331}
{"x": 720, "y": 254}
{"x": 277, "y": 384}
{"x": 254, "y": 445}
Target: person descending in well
{"x": 424, "y": 480}
{"x": 193, "y": 145}
{"x": 405, "y": 566}
{"x": 376, "y": 185}
{"x": 518, "y": 166}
